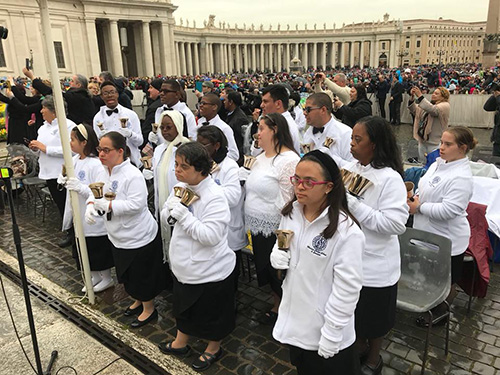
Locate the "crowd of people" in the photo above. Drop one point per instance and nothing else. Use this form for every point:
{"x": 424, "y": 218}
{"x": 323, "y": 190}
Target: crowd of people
{"x": 252, "y": 163}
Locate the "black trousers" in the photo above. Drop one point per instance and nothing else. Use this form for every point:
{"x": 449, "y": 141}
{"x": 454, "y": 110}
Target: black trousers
{"x": 496, "y": 149}
{"x": 57, "y": 195}
{"x": 308, "y": 362}
{"x": 381, "y": 104}
{"x": 266, "y": 274}
{"x": 395, "y": 112}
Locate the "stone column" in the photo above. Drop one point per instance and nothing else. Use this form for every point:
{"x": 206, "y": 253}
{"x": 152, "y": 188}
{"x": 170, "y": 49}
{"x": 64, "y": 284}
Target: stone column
{"x": 223, "y": 68}
{"x": 315, "y": 55}
{"x": 189, "y": 59}
{"x": 333, "y": 55}
{"x": 177, "y": 58}
{"x": 323, "y": 55}
{"x": 147, "y": 50}
{"x": 287, "y": 57}
{"x": 296, "y": 50}
{"x": 182, "y": 46}
{"x": 196, "y": 69}
{"x": 351, "y": 54}
{"x": 238, "y": 60}
{"x": 280, "y": 66}
{"x": 362, "y": 54}
{"x": 305, "y": 58}
{"x": 245, "y": 57}
{"x": 391, "y": 61}
{"x": 254, "y": 58}
{"x": 261, "y": 62}
{"x": 342, "y": 54}
{"x": 94, "y": 61}
{"x": 116, "y": 51}
{"x": 229, "y": 52}
{"x": 375, "y": 53}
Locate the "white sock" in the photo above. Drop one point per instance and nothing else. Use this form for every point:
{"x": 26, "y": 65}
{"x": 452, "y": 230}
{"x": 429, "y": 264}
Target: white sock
{"x": 105, "y": 274}
{"x": 96, "y": 277}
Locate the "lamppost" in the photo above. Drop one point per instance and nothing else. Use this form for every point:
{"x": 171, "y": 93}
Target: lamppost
{"x": 440, "y": 53}
{"x": 401, "y": 54}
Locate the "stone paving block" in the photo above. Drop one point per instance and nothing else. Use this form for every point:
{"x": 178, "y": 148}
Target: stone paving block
{"x": 478, "y": 356}
{"x": 496, "y": 364}
{"x": 480, "y": 368}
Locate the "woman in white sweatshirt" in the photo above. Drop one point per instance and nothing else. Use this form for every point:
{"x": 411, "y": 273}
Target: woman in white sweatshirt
{"x": 440, "y": 207}
{"x": 325, "y": 274}
{"x": 382, "y": 212}
{"x": 202, "y": 263}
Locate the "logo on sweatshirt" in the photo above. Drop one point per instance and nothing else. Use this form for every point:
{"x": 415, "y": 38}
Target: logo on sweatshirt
{"x": 81, "y": 175}
{"x": 319, "y": 244}
{"x": 435, "y": 181}
{"x": 114, "y": 186}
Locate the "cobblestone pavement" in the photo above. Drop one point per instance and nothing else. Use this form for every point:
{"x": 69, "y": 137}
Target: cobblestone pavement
{"x": 250, "y": 349}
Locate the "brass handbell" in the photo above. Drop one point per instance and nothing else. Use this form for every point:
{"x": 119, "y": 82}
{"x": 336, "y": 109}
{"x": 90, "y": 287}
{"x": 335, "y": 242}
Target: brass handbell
{"x": 284, "y": 237}
{"x": 256, "y": 140}
{"x": 97, "y": 189}
{"x": 215, "y": 167}
{"x": 100, "y": 125}
{"x": 328, "y": 142}
{"x": 155, "y": 127}
{"x": 63, "y": 172}
{"x": 346, "y": 176}
{"x": 248, "y": 161}
{"x": 146, "y": 160}
{"x": 109, "y": 196}
{"x": 123, "y": 121}
{"x": 178, "y": 191}
{"x": 307, "y": 147}
{"x": 358, "y": 185}
{"x": 187, "y": 199}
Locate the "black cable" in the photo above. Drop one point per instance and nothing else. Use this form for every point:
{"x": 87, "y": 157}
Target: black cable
{"x": 14, "y": 324}
{"x": 95, "y": 373}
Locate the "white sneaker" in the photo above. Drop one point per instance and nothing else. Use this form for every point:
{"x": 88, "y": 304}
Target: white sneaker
{"x": 103, "y": 285}
{"x": 96, "y": 279}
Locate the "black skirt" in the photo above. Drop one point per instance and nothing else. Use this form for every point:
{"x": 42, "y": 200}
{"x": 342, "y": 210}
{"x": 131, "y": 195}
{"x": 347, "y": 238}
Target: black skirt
{"x": 345, "y": 362}
{"x": 375, "y": 313}
{"x": 99, "y": 251}
{"x": 141, "y": 270}
{"x": 266, "y": 274}
{"x": 457, "y": 264}
{"x": 205, "y": 310}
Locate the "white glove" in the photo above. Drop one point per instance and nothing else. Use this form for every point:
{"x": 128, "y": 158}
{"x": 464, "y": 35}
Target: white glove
{"x": 171, "y": 202}
{"x": 90, "y": 212}
{"x": 179, "y": 212}
{"x": 280, "y": 259}
{"x": 74, "y": 184}
{"x": 327, "y": 348}
{"x": 126, "y": 132}
{"x": 61, "y": 180}
{"x": 101, "y": 205}
{"x": 352, "y": 202}
{"x": 153, "y": 137}
{"x": 243, "y": 173}
{"x": 148, "y": 174}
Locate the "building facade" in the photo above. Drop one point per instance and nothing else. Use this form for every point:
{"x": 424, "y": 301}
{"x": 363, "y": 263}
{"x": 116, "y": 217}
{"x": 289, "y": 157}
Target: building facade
{"x": 140, "y": 38}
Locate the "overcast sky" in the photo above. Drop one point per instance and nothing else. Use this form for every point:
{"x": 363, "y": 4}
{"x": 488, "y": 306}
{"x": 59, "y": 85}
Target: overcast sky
{"x": 321, "y": 11}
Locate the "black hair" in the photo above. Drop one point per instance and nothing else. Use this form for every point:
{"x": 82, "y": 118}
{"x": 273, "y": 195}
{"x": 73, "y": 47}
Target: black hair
{"x": 235, "y": 97}
{"x": 282, "y": 136}
{"x": 195, "y": 155}
{"x": 119, "y": 142}
{"x": 320, "y": 99}
{"x": 90, "y": 148}
{"x": 173, "y": 83}
{"x": 360, "y": 91}
{"x": 213, "y": 134}
{"x": 386, "y": 152}
{"x": 107, "y": 76}
{"x": 213, "y": 99}
{"x": 277, "y": 92}
{"x": 336, "y": 199}
{"x": 108, "y": 83}
{"x": 295, "y": 96}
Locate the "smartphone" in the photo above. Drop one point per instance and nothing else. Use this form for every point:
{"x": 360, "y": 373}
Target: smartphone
{"x": 199, "y": 86}
{"x": 26, "y": 141}
{"x": 28, "y": 65}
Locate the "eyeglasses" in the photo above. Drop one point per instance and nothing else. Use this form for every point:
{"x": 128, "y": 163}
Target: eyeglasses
{"x": 166, "y": 91}
{"x": 206, "y": 103}
{"x": 309, "y": 109}
{"x": 105, "y": 149}
{"x": 307, "y": 183}
{"x": 109, "y": 93}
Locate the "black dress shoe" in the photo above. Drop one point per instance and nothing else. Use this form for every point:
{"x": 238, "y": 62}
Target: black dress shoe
{"x": 132, "y": 312}
{"x": 139, "y": 323}
{"x": 166, "y": 348}
{"x": 209, "y": 358}
{"x": 66, "y": 241}
{"x": 369, "y": 370}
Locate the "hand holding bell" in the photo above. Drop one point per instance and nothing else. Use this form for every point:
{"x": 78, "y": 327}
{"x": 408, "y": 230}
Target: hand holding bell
{"x": 284, "y": 241}
{"x": 109, "y": 196}
{"x": 97, "y": 190}
{"x": 188, "y": 197}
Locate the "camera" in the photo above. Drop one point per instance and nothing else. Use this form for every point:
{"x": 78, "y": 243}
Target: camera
{"x": 4, "y": 84}
{"x": 4, "y": 32}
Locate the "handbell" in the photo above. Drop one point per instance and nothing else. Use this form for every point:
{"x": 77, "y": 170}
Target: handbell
{"x": 97, "y": 189}
{"x": 146, "y": 160}
{"x": 63, "y": 172}
{"x": 346, "y": 176}
{"x": 409, "y": 190}
{"x": 248, "y": 161}
{"x": 284, "y": 237}
{"x": 256, "y": 140}
{"x": 358, "y": 185}
{"x": 100, "y": 125}
{"x": 215, "y": 167}
{"x": 155, "y": 127}
{"x": 328, "y": 142}
{"x": 123, "y": 121}
{"x": 178, "y": 191}
{"x": 109, "y": 196}
{"x": 188, "y": 198}
{"x": 307, "y": 147}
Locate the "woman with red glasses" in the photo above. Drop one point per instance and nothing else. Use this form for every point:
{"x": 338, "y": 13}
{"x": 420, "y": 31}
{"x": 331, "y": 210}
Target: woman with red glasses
{"x": 268, "y": 189}
{"x": 316, "y": 314}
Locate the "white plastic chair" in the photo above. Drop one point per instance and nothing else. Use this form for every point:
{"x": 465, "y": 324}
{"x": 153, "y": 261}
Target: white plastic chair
{"x": 425, "y": 277}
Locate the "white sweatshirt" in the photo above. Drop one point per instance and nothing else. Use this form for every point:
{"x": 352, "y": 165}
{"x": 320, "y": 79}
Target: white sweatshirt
{"x": 228, "y": 178}
{"x": 86, "y": 171}
{"x": 445, "y": 192}
{"x": 233, "y": 152}
{"x": 52, "y": 160}
{"x": 132, "y": 225}
{"x": 198, "y": 251}
{"x": 382, "y": 212}
{"x": 340, "y": 150}
{"x": 112, "y": 123}
{"x": 321, "y": 287}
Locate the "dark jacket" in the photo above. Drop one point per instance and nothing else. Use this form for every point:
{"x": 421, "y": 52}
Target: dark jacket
{"x": 149, "y": 119}
{"x": 236, "y": 120}
{"x": 349, "y": 114}
{"x": 80, "y": 104}
{"x": 18, "y": 117}
{"x": 493, "y": 105}
{"x": 32, "y": 105}
{"x": 382, "y": 89}
{"x": 397, "y": 91}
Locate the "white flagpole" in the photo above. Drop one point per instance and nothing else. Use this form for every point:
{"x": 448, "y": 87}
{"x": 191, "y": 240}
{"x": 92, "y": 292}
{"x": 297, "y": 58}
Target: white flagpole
{"x": 63, "y": 131}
